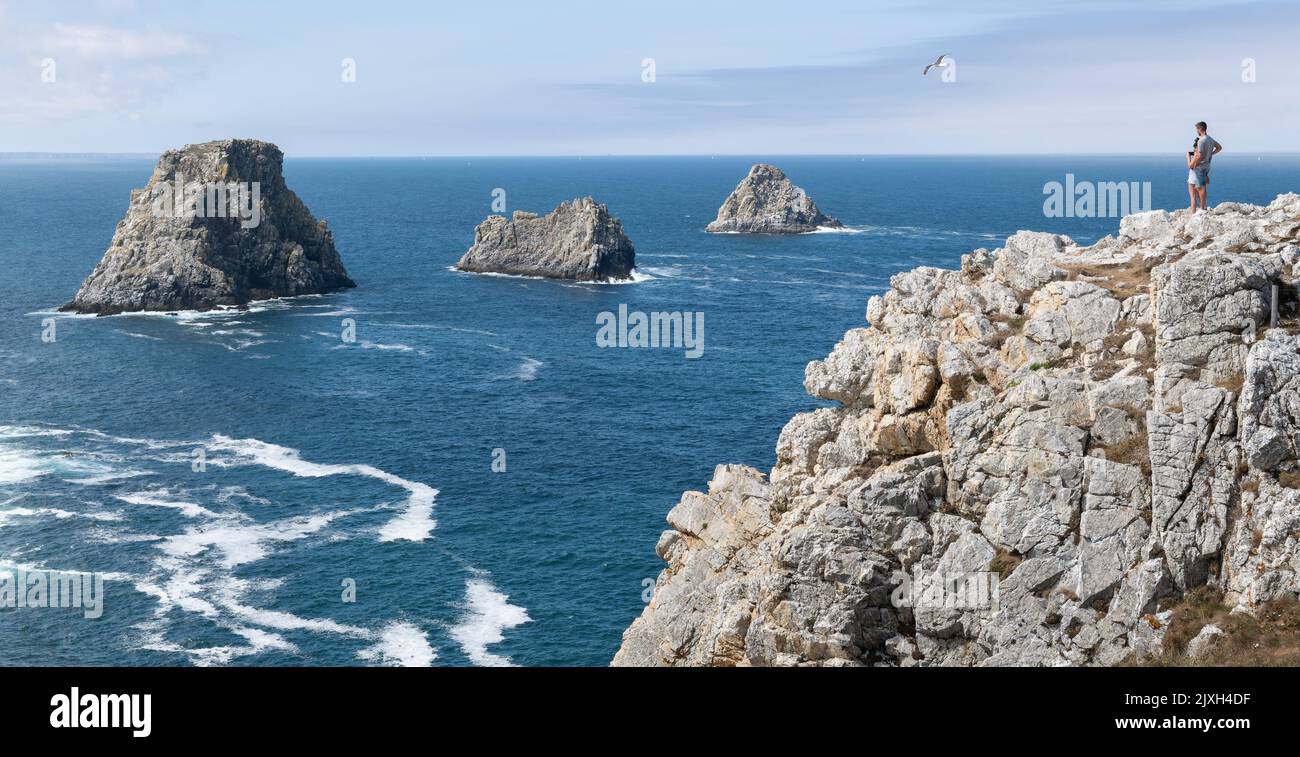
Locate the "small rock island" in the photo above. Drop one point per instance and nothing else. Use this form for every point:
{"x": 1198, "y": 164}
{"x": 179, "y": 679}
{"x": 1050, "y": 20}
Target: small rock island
{"x": 579, "y": 240}
{"x": 215, "y": 226}
{"x": 765, "y": 202}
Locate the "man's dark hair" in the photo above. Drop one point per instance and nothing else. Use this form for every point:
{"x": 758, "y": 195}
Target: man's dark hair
{"x": 1201, "y": 125}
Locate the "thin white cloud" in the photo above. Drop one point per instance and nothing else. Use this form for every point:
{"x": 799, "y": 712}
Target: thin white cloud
{"x": 57, "y": 72}
{"x": 108, "y": 43}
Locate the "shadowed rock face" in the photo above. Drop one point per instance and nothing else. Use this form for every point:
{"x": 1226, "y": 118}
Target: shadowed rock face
{"x": 765, "y": 202}
{"x": 578, "y": 240}
{"x": 1104, "y": 428}
{"x": 164, "y": 258}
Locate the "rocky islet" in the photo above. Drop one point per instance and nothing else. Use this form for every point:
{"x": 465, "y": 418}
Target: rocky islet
{"x": 215, "y": 226}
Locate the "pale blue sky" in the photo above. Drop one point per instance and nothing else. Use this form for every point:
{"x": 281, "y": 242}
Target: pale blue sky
{"x": 756, "y": 77}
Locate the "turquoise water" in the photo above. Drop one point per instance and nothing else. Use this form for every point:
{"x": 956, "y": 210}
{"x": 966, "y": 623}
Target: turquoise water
{"x": 321, "y": 456}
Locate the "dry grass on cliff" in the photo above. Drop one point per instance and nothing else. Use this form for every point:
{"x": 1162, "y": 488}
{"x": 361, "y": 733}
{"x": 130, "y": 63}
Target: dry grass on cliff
{"x": 1113, "y": 358}
{"x": 1233, "y": 384}
{"x": 1270, "y": 638}
{"x": 1004, "y": 562}
{"x": 1133, "y": 450}
{"x": 1014, "y": 325}
{"x": 1289, "y": 478}
{"x": 1123, "y": 280}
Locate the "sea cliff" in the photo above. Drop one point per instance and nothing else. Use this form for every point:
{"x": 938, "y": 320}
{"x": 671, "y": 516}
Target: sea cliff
{"x": 1092, "y": 433}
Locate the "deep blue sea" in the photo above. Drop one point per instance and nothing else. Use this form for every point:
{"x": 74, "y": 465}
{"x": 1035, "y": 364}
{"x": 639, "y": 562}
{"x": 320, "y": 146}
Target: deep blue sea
{"x": 321, "y": 457}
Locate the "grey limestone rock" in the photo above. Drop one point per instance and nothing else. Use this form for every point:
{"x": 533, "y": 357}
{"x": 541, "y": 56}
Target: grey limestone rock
{"x": 579, "y": 240}
{"x": 765, "y": 202}
{"x": 245, "y": 236}
{"x": 1101, "y": 428}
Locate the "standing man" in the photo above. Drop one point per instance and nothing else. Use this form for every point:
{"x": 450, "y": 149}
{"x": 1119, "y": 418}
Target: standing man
{"x": 1206, "y": 148}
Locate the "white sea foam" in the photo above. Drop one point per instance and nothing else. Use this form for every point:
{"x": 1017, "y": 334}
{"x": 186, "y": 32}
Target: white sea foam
{"x": 102, "y": 474}
{"x": 382, "y": 347}
{"x": 242, "y": 542}
{"x": 163, "y": 498}
{"x": 143, "y": 336}
{"x": 258, "y": 641}
{"x": 155, "y": 444}
{"x": 194, "y": 571}
{"x": 262, "y": 641}
{"x": 42, "y": 568}
{"x": 488, "y": 614}
{"x": 229, "y": 592}
{"x": 20, "y": 465}
{"x": 242, "y": 344}
{"x": 416, "y": 521}
{"x": 54, "y": 512}
{"x": 231, "y": 493}
{"x": 414, "y": 524}
{"x": 117, "y": 536}
{"x": 636, "y": 277}
{"x": 401, "y": 644}
{"x": 335, "y": 313}
{"x": 480, "y": 332}
{"x": 527, "y": 370}
{"x": 14, "y": 432}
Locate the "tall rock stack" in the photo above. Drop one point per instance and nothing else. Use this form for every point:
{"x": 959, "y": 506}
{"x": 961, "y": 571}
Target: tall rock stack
{"x": 215, "y": 226}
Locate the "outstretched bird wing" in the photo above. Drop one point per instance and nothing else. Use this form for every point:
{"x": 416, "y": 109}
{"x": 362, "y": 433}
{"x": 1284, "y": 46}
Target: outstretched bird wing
{"x": 937, "y": 63}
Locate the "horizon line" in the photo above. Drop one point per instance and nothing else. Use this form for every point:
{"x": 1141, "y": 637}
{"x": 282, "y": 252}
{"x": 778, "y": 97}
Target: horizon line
{"x": 87, "y": 154}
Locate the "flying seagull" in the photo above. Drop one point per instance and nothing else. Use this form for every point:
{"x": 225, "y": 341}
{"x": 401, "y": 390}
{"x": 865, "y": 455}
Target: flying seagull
{"x": 941, "y": 62}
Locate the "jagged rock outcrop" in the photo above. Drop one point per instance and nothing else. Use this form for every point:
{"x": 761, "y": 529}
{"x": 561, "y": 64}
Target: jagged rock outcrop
{"x": 765, "y": 202}
{"x": 216, "y": 225}
{"x": 1028, "y": 461}
{"x": 578, "y": 240}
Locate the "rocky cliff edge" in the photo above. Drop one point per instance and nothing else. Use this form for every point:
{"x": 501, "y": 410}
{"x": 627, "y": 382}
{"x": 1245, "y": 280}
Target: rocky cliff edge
{"x": 1101, "y": 429}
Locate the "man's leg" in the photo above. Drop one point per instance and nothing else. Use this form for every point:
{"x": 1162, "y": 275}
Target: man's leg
{"x": 1205, "y": 188}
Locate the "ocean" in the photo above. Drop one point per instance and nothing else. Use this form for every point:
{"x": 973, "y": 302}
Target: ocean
{"x": 472, "y": 480}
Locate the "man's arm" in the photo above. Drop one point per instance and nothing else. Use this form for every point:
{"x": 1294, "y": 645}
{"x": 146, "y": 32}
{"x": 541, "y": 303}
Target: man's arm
{"x": 1218, "y": 147}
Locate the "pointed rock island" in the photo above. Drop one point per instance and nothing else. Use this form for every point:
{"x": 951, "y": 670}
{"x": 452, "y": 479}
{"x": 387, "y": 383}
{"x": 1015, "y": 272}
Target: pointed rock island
{"x": 765, "y": 202}
{"x": 215, "y": 226}
{"x": 579, "y": 240}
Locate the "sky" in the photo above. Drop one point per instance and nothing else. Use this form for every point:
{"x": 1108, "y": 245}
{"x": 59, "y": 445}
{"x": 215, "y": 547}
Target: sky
{"x": 573, "y": 78}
